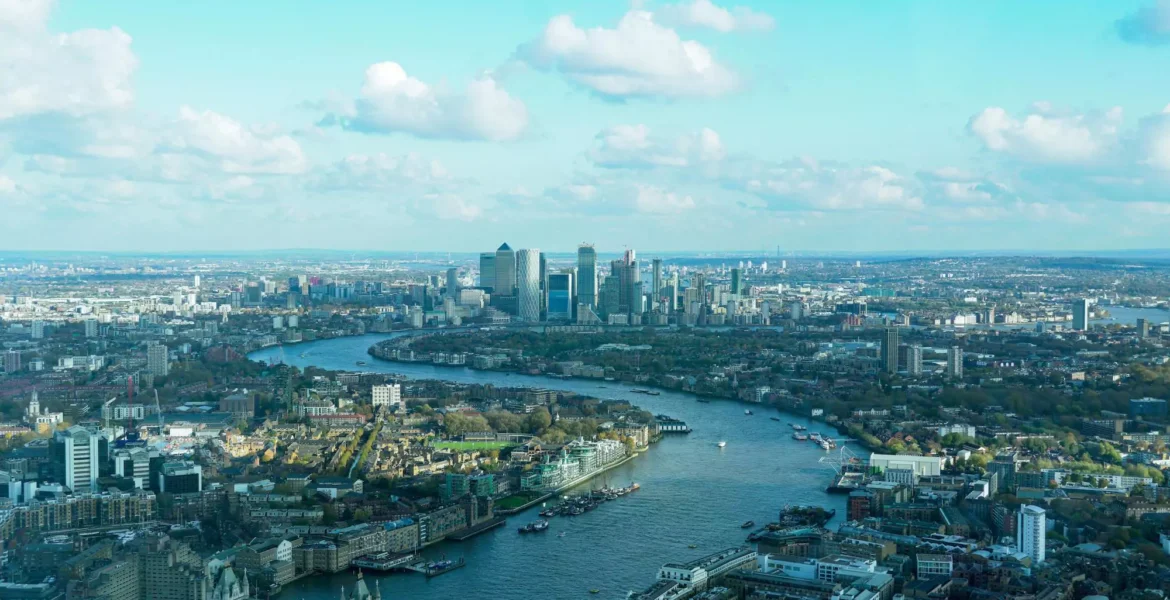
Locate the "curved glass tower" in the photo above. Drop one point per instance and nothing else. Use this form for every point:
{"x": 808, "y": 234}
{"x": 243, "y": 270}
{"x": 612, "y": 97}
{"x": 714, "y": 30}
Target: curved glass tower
{"x": 528, "y": 284}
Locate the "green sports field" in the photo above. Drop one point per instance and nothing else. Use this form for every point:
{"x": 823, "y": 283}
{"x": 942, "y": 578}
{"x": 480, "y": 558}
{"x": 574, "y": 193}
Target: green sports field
{"x": 473, "y": 445}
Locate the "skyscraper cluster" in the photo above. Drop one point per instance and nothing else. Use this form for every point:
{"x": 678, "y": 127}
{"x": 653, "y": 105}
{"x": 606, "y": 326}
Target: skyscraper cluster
{"x": 623, "y": 291}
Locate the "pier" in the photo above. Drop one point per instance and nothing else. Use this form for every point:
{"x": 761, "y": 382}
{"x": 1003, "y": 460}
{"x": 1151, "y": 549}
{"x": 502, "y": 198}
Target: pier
{"x": 385, "y": 561}
{"x": 434, "y": 569}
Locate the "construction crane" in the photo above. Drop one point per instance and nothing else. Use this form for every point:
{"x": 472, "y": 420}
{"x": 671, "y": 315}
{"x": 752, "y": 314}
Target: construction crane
{"x": 158, "y": 409}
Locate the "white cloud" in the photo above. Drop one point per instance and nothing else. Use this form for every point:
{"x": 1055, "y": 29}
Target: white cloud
{"x": 381, "y": 171}
{"x": 1149, "y": 25}
{"x": 25, "y": 14}
{"x": 1043, "y": 136}
{"x": 655, "y": 200}
{"x": 393, "y": 101}
{"x": 704, "y": 13}
{"x": 7, "y": 185}
{"x": 807, "y": 184}
{"x": 76, "y": 73}
{"x": 1155, "y": 140}
{"x": 236, "y": 148}
{"x": 452, "y": 207}
{"x": 953, "y": 184}
{"x": 638, "y": 58}
{"x": 634, "y": 146}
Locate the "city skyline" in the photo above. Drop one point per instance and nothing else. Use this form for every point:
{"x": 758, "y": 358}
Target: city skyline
{"x": 688, "y": 125}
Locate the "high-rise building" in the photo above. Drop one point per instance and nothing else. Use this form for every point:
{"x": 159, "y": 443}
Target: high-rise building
{"x": 560, "y": 296}
{"x": 452, "y": 282}
{"x": 797, "y": 310}
{"x": 487, "y": 270}
{"x": 134, "y": 463}
{"x": 1080, "y": 316}
{"x": 1030, "y": 532}
{"x": 914, "y": 360}
{"x": 955, "y": 362}
{"x": 543, "y": 283}
{"x": 528, "y": 284}
{"x": 890, "y": 350}
{"x": 253, "y": 294}
{"x": 12, "y": 361}
{"x": 673, "y": 299}
{"x": 158, "y": 360}
{"x": 38, "y": 330}
{"x": 180, "y": 477}
{"x": 736, "y": 281}
{"x": 587, "y": 275}
{"x": 75, "y": 458}
{"x": 91, "y": 328}
{"x": 388, "y": 395}
{"x": 629, "y": 283}
{"x": 656, "y": 282}
{"x": 1143, "y": 328}
{"x": 505, "y": 271}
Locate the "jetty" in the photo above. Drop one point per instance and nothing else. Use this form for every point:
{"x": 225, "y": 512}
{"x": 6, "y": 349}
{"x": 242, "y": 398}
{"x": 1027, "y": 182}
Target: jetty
{"x": 436, "y": 568}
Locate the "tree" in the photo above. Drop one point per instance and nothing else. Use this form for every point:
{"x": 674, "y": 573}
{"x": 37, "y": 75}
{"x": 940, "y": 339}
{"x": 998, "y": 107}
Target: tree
{"x": 329, "y": 514}
{"x": 539, "y": 420}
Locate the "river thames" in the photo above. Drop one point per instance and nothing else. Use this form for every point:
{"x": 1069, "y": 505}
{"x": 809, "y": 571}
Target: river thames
{"x": 692, "y": 493}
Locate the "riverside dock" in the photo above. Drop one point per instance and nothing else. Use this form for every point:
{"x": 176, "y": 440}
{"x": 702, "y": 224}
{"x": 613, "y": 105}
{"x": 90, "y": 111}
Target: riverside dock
{"x": 434, "y": 569}
{"x": 385, "y": 561}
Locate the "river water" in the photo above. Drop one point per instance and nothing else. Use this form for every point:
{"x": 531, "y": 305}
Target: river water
{"x": 692, "y": 493}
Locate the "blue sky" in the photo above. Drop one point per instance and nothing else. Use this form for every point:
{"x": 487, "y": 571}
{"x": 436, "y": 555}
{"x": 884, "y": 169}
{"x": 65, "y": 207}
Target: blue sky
{"x": 670, "y": 125}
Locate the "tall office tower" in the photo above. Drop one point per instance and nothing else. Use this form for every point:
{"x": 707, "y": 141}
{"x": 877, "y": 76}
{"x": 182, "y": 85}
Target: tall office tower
{"x": 543, "y": 283}
{"x": 452, "y": 282}
{"x": 487, "y": 270}
{"x": 586, "y": 275}
{"x": 1081, "y": 314}
{"x": 196, "y": 282}
{"x": 797, "y": 310}
{"x": 914, "y": 360}
{"x": 157, "y": 360}
{"x": 955, "y": 362}
{"x": 989, "y": 316}
{"x": 609, "y": 297}
{"x": 629, "y": 282}
{"x": 12, "y": 361}
{"x": 1030, "y": 533}
{"x": 294, "y": 284}
{"x": 253, "y": 294}
{"x": 505, "y": 271}
{"x": 1143, "y": 328}
{"x": 528, "y": 284}
{"x": 890, "y": 350}
{"x": 673, "y": 301}
{"x": 236, "y": 299}
{"x": 560, "y": 296}
{"x": 656, "y": 282}
{"x": 38, "y": 330}
{"x": 91, "y": 328}
{"x": 75, "y": 458}
{"x": 736, "y": 281}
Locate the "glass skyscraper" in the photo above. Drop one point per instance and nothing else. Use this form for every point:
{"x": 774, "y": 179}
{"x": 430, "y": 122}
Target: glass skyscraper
{"x": 560, "y": 296}
{"x": 506, "y": 271}
{"x": 528, "y": 284}
{"x": 586, "y": 275}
